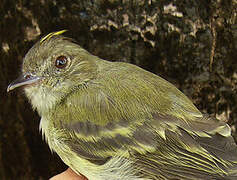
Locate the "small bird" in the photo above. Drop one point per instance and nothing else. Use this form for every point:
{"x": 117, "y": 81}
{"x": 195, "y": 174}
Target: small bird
{"x": 116, "y": 121}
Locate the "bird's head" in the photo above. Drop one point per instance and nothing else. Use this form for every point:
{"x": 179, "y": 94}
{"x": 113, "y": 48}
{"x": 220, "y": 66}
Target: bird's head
{"x": 52, "y": 68}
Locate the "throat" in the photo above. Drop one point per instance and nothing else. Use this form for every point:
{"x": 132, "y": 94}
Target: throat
{"x": 43, "y": 101}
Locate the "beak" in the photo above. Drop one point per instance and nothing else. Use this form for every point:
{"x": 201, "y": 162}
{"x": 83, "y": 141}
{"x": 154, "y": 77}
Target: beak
{"x": 23, "y": 80}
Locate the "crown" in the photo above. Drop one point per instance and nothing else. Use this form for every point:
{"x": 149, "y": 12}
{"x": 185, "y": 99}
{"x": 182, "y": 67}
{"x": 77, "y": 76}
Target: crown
{"x": 52, "y": 34}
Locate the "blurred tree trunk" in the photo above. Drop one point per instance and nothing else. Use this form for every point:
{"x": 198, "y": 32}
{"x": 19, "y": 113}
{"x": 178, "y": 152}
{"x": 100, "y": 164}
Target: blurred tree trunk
{"x": 191, "y": 43}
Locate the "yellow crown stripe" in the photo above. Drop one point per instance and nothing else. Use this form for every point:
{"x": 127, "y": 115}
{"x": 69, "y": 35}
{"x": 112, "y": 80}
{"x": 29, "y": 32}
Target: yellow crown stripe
{"x": 50, "y": 35}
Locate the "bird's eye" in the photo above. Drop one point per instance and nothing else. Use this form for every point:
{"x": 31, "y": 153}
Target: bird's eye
{"x": 61, "y": 62}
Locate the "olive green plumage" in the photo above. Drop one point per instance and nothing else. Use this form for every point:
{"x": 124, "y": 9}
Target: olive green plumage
{"x": 113, "y": 120}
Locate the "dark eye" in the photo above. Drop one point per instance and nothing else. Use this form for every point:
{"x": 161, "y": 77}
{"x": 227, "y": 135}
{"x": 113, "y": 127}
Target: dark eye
{"x": 61, "y": 62}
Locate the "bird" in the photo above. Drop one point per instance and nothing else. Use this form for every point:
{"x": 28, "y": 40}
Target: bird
{"x": 116, "y": 121}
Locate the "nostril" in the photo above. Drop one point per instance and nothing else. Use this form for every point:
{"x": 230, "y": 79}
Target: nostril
{"x": 27, "y": 76}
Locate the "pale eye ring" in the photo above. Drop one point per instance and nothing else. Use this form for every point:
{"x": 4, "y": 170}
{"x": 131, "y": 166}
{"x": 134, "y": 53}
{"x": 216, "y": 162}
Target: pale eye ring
{"x": 61, "y": 62}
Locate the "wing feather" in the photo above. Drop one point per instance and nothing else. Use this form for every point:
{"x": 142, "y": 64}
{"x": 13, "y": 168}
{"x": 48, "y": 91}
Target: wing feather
{"x": 122, "y": 112}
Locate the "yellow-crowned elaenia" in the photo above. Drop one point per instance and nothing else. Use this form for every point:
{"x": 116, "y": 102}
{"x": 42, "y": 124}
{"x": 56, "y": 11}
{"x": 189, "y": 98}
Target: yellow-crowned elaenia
{"x": 116, "y": 121}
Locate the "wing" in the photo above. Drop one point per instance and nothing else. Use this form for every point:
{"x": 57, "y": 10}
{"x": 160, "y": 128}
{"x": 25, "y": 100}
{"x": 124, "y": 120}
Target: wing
{"x": 137, "y": 115}
{"x": 186, "y": 155}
